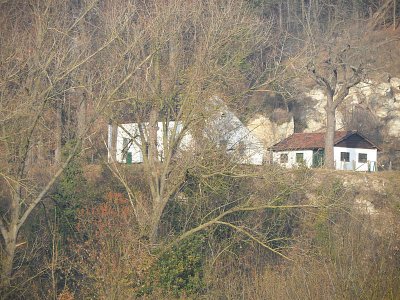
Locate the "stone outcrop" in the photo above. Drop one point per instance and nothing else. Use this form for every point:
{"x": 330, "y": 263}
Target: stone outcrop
{"x": 382, "y": 100}
{"x": 270, "y": 132}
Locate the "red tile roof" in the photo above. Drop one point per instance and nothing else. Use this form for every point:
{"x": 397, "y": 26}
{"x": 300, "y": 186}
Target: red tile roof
{"x": 315, "y": 140}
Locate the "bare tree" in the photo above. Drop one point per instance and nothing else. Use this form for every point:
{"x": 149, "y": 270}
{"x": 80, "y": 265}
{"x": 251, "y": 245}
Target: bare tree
{"x": 200, "y": 50}
{"x": 47, "y": 55}
{"x": 35, "y": 66}
{"x": 336, "y": 76}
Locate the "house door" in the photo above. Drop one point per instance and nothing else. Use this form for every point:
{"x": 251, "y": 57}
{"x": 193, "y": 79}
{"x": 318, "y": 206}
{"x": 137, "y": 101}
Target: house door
{"x": 129, "y": 158}
{"x": 318, "y": 158}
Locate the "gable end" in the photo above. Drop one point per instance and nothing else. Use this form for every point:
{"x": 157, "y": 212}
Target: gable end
{"x": 355, "y": 140}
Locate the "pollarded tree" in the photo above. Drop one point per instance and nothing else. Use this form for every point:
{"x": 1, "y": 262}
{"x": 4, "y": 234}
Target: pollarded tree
{"x": 336, "y": 76}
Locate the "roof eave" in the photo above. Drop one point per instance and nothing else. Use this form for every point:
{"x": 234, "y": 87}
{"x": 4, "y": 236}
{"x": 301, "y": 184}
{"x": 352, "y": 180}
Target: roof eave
{"x": 294, "y": 149}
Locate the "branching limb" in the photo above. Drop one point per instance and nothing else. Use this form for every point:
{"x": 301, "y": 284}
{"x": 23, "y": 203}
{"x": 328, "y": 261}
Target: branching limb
{"x": 320, "y": 80}
{"x": 253, "y": 237}
{"x": 44, "y": 191}
{"x": 218, "y": 219}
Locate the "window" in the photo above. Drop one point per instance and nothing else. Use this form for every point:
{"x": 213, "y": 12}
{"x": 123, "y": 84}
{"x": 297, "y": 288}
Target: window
{"x": 125, "y": 147}
{"x": 345, "y": 156}
{"x": 284, "y": 158}
{"x": 362, "y": 157}
{"x": 125, "y": 144}
{"x": 299, "y": 158}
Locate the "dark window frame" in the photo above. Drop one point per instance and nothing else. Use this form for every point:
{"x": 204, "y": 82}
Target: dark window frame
{"x": 363, "y": 159}
{"x": 125, "y": 143}
{"x": 284, "y": 158}
{"x": 300, "y": 157}
{"x": 345, "y": 156}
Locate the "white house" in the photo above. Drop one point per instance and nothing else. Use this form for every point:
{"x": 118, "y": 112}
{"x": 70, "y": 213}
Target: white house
{"x": 227, "y": 131}
{"x": 222, "y": 127}
{"x": 129, "y": 145}
{"x": 352, "y": 151}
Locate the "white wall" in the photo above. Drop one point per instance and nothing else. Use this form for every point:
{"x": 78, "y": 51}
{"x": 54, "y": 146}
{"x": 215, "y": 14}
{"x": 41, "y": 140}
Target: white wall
{"x": 132, "y": 130}
{"x": 307, "y": 158}
{"x": 253, "y": 149}
{"x": 353, "y": 164}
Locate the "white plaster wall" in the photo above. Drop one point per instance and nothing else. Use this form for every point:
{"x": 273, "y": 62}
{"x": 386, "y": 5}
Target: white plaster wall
{"x": 254, "y": 150}
{"x": 137, "y": 156}
{"x": 353, "y": 164}
{"x": 135, "y": 148}
{"x": 307, "y": 157}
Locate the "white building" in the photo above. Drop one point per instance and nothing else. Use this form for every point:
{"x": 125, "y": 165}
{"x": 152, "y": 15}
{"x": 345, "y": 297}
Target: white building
{"x": 227, "y": 131}
{"x": 352, "y": 151}
{"x": 223, "y": 128}
{"x": 129, "y": 143}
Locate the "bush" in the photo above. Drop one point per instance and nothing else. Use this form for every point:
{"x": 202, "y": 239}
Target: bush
{"x": 180, "y": 270}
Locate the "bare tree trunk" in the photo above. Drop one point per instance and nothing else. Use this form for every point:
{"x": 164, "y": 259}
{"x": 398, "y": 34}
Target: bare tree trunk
{"x": 154, "y": 174}
{"x": 41, "y": 157}
{"x": 303, "y": 11}
{"x": 81, "y": 114}
{"x": 329, "y": 136}
{"x": 153, "y": 128}
{"x": 9, "y": 234}
{"x": 394, "y": 14}
{"x": 58, "y": 133}
{"x": 316, "y": 11}
{"x": 113, "y": 142}
{"x": 7, "y": 263}
{"x": 155, "y": 221}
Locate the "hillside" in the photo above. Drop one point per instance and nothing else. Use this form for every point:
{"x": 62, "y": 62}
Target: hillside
{"x": 347, "y": 250}
{"x": 82, "y": 218}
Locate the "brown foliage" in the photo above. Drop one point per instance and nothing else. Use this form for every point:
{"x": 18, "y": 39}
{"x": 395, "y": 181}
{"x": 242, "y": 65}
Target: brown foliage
{"x": 110, "y": 255}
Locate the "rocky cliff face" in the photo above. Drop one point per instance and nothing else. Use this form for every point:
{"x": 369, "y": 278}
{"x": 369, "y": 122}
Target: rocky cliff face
{"x": 270, "y": 132}
{"x": 379, "y": 101}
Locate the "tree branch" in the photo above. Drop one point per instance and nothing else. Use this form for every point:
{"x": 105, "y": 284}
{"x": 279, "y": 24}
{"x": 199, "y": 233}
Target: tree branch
{"x": 230, "y": 211}
{"x": 3, "y": 228}
{"x": 320, "y": 80}
{"x": 33, "y": 204}
{"x": 344, "y": 89}
{"x": 254, "y": 238}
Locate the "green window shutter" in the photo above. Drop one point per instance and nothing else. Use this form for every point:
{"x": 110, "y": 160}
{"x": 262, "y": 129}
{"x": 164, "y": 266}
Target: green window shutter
{"x": 318, "y": 158}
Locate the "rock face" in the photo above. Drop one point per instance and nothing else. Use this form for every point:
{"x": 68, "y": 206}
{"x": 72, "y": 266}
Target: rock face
{"x": 380, "y": 100}
{"x": 315, "y": 117}
{"x": 270, "y": 132}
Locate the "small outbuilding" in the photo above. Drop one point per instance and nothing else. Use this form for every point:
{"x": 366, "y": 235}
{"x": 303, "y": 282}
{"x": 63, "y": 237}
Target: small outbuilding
{"x": 352, "y": 151}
